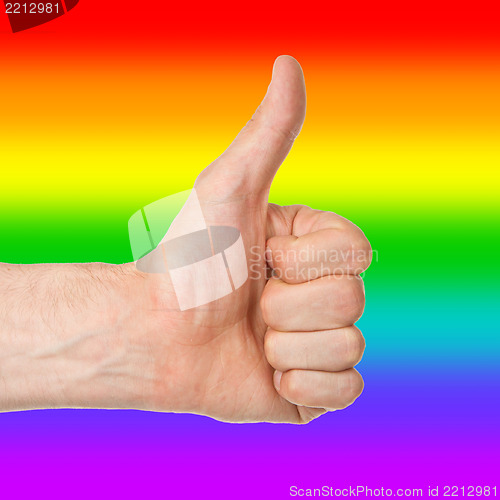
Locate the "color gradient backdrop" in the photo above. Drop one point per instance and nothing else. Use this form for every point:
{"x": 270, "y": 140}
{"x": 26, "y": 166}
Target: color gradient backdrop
{"x": 117, "y": 104}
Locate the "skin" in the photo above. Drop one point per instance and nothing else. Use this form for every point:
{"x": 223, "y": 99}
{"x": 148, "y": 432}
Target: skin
{"x": 280, "y": 349}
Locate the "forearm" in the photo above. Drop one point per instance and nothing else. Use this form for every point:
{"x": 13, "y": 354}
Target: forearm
{"x": 68, "y": 337}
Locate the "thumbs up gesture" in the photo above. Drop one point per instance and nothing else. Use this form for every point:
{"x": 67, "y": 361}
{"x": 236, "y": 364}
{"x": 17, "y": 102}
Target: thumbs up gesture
{"x": 282, "y": 346}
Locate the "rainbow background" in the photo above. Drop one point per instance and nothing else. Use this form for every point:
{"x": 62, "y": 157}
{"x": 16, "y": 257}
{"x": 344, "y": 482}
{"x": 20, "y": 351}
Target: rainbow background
{"x": 118, "y": 104}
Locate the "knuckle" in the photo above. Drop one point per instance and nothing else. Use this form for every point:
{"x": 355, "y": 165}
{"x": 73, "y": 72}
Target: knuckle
{"x": 272, "y": 305}
{"x": 352, "y": 388}
{"x": 361, "y": 250}
{"x": 364, "y": 251}
{"x": 353, "y": 300}
{"x": 292, "y": 386}
{"x": 270, "y": 342}
{"x": 265, "y": 304}
{"x": 354, "y": 346}
{"x": 368, "y": 251}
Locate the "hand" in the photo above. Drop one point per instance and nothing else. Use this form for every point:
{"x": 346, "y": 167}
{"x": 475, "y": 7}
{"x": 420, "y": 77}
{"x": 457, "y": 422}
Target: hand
{"x": 280, "y": 349}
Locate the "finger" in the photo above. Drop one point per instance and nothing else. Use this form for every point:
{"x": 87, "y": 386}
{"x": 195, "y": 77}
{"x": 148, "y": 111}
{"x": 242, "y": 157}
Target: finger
{"x": 322, "y": 244}
{"x": 253, "y": 158}
{"x": 330, "y": 350}
{"x": 318, "y": 389}
{"x": 322, "y": 304}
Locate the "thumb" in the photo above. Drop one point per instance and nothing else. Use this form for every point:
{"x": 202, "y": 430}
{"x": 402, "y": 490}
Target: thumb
{"x": 253, "y": 158}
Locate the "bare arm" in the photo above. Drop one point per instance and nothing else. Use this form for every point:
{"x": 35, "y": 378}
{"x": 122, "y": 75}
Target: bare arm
{"x": 67, "y": 337}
